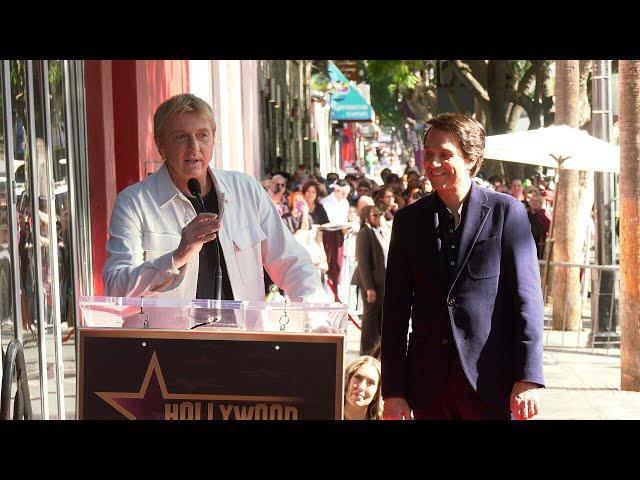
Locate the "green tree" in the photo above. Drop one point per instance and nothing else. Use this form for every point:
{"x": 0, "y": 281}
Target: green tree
{"x": 502, "y": 90}
{"x": 396, "y": 84}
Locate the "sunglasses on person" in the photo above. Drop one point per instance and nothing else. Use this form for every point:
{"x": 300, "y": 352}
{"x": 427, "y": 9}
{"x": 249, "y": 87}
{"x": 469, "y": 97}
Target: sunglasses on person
{"x": 375, "y": 214}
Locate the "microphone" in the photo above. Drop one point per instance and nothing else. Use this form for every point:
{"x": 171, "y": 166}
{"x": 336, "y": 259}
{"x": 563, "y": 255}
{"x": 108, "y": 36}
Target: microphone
{"x": 194, "y": 187}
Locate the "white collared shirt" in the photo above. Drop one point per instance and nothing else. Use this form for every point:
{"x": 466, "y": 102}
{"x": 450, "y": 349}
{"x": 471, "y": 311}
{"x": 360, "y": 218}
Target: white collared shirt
{"x": 146, "y": 227}
{"x": 384, "y": 241}
{"x": 337, "y": 210}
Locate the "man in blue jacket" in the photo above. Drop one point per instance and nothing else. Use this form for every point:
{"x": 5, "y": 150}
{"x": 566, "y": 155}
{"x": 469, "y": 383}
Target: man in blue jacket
{"x": 463, "y": 267}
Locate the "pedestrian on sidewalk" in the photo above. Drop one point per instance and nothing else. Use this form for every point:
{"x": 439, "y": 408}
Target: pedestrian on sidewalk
{"x": 372, "y": 245}
{"x": 337, "y": 207}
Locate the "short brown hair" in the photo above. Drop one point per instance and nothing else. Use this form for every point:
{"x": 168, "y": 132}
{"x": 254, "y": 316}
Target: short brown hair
{"x": 469, "y": 132}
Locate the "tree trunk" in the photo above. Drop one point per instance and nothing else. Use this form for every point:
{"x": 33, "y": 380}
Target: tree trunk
{"x": 567, "y": 247}
{"x": 497, "y": 103}
{"x": 629, "y": 225}
{"x": 548, "y": 108}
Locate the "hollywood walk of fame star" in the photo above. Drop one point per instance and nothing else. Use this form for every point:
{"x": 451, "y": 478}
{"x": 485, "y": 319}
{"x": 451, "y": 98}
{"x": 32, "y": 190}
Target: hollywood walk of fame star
{"x": 148, "y": 403}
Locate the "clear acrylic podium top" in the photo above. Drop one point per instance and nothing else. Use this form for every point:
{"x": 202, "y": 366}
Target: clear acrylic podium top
{"x": 212, "y": 315}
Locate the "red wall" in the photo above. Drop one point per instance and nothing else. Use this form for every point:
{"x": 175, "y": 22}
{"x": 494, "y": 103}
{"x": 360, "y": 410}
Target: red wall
{"x": 101, "y": 157}
{"x": 121, "y": 97}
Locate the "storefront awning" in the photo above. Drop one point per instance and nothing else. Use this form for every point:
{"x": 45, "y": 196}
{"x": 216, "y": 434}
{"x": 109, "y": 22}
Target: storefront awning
{"x": 347, "y": 104}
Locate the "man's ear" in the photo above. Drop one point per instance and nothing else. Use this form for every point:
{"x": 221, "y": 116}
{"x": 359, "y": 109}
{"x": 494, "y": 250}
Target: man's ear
{"x": 159, "y": 146}
{"x": 470, "y": 164}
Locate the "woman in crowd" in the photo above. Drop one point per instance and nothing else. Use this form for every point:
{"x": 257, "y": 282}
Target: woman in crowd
{"x": 316, "y": 210}
{"x": 416, "y": 195}
{"x": 395, "y": 184}
{"x": 304, "y": 229}
{"x": 538, "y": 217}
{"x": 363, "y": 202}
{"x": 372, "y": 246}
{"x": 298, "y": 216}
{"x": 413, "y": 184}
{"x": 386, "y": 202}
{"x": 362, "y": 399}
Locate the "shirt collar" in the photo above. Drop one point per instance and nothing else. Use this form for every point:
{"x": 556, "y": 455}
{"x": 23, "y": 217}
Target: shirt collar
{"x": 440, "y": 205}
{"x": 166, "y": 190}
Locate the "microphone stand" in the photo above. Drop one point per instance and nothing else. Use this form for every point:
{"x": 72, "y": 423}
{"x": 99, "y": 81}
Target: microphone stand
{"x": 217, "y": 289}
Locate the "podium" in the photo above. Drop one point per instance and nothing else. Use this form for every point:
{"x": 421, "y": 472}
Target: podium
{"x": 168, "y": 359}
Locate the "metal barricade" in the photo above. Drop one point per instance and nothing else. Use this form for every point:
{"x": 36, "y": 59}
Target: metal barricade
{"x": 597, "y": 329}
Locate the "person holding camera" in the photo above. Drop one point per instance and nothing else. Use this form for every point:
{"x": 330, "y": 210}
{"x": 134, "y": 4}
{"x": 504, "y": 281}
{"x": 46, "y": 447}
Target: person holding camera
{"x": 277, "y": 193}
{"x": 298, "y": 217}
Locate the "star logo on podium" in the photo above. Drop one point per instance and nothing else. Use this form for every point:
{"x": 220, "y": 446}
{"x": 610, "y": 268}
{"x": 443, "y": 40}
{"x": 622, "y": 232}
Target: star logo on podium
{"x": 149, "y": 402}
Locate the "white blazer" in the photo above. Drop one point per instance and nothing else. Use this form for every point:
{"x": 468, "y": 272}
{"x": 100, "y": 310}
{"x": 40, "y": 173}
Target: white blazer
{"x": 145, "y": 229}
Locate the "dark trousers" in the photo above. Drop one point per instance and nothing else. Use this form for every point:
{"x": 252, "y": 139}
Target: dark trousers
{"x": 334, "y": 248}
{"x": 459, "y": 401}
{"x": 371, "y": 320}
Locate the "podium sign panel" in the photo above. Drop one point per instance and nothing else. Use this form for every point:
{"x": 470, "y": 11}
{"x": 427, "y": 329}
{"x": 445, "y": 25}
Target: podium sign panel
{"x": 209, "y": 373}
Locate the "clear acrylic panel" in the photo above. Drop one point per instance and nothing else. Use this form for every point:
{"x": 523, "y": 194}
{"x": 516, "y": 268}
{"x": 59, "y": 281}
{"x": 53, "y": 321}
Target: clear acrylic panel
{"x": 244, "y": 316}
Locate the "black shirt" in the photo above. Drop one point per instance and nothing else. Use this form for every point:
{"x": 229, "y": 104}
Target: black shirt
{"x": 319, "y": 214}
{"x": 209, "y": 256}
{"x": 449, "y": 235}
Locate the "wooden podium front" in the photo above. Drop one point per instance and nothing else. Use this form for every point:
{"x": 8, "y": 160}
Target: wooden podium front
{"x": 209, "y": 375}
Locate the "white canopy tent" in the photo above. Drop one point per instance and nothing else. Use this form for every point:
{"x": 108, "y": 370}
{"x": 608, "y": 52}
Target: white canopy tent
{"x": 575, "y": 149}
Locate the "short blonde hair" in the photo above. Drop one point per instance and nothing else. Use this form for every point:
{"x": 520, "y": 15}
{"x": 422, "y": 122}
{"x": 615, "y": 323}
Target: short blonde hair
{"x": 179, "y": 104}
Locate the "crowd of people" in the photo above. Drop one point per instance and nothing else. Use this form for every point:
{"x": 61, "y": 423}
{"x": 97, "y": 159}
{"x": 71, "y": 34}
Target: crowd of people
{"x": 319, "y": 212}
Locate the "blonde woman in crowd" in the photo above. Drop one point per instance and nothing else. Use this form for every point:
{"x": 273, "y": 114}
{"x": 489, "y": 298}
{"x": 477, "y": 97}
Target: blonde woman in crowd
{"x": 362, "y": 399}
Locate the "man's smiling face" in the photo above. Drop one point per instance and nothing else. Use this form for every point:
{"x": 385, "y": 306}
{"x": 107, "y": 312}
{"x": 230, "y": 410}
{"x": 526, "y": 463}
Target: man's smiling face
{"x": 444, "y": 163}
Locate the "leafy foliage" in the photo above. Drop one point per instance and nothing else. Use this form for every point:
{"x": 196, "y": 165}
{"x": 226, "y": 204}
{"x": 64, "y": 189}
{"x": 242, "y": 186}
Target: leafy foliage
{"x": 391, "y": 81}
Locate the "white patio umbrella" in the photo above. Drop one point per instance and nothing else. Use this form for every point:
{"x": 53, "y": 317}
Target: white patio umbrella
{"x": 575, "y": 149}
{"x": 560, "y": 147}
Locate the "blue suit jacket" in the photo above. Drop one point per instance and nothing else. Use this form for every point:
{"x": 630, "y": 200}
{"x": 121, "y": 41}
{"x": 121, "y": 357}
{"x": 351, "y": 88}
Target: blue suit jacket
{"x": 493, "y": 307}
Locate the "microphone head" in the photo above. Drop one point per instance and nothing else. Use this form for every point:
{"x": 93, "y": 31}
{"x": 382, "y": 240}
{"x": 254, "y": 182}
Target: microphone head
{"x": 194, "y": 187}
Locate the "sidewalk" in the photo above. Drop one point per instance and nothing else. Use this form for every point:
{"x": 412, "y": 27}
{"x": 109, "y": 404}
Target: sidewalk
{"x": 585, "y": 386}
{"x": 579, "y": 385}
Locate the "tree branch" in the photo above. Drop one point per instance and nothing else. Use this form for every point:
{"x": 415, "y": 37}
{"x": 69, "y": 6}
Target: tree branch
{"x": 463, "y": 72}
{"x": 514, "y": 116}
{"x": 521, "y": 99}
{"x": 525, "y": 83}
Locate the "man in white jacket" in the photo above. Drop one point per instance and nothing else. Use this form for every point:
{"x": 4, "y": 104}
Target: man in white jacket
{"x": 159, "y": 246}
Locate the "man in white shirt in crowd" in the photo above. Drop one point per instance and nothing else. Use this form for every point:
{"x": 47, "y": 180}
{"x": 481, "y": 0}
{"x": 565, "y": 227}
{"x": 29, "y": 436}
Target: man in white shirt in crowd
{"x": 161, "y": 244}
{"x": 337, "y": 207}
